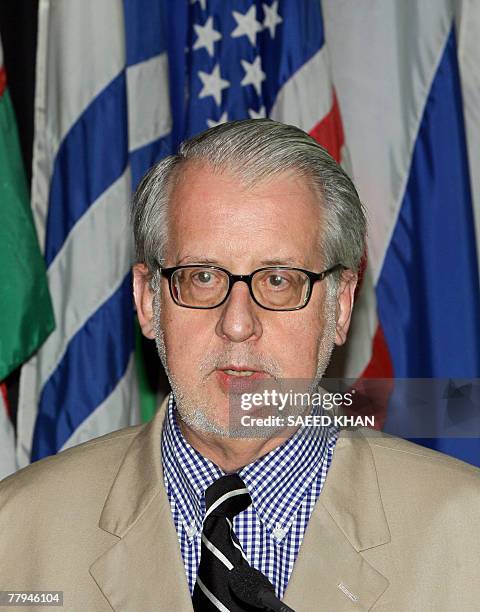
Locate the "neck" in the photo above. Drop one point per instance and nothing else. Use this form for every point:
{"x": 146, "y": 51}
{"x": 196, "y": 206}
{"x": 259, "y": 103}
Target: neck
{"x": 230, "y": 454}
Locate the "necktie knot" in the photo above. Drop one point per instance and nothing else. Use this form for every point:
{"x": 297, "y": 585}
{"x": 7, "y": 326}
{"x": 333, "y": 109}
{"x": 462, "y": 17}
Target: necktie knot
{"x": 227, "y": 496}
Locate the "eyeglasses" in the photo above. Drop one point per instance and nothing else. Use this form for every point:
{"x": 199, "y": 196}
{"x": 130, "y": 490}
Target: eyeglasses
{"x": 272, "y": 288}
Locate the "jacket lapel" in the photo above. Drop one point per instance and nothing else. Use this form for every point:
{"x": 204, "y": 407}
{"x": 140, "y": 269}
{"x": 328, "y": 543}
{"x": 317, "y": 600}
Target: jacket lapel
{"x": 330, "y": 573}
{"x": 143, "y": 570}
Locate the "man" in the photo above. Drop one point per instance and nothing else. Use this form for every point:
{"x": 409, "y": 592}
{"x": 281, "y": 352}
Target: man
{"x": 248, "y": 246}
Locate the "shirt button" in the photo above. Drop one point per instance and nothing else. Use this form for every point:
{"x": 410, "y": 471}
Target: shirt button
{"x": 191, "y": 530}
{"x": 278, "y": 533}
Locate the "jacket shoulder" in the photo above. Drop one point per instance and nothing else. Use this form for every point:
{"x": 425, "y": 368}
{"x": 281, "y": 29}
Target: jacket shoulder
{"x": 49, "y": 518}
{"x": 421, "y": 484}
{"x": 386, "y": 447}
{"x": 70, "y": 470}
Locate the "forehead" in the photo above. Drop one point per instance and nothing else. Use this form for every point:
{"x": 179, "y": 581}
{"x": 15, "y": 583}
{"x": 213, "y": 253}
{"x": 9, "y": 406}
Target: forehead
{"x": 214, "y": 215}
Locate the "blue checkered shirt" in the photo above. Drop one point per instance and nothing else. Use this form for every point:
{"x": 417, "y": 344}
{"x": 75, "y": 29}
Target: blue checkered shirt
{"x": 284, "y": 486}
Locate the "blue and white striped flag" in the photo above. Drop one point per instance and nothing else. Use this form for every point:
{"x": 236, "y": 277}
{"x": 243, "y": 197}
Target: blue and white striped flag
{"x": 101, "y": 111}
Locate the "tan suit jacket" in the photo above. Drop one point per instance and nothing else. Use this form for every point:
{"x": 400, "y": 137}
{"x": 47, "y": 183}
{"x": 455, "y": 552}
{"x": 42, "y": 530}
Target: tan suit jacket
{"x": 396, "y": 528}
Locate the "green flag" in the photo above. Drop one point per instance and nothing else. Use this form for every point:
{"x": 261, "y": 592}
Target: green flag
{"x": 26, "y": 314}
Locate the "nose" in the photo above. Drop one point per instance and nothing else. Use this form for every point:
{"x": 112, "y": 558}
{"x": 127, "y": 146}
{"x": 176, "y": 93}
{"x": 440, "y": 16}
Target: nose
{"x": 239, "y": 321}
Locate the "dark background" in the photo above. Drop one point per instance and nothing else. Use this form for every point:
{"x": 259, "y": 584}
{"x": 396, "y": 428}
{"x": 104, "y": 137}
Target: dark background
{"x": 18, "y": 31}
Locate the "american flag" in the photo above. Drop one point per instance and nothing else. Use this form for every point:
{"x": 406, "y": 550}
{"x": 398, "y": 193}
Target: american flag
{"x": 260, "y": 59}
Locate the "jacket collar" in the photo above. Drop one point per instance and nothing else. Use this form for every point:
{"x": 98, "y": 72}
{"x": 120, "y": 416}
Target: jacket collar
{"x": 144, "y": 569}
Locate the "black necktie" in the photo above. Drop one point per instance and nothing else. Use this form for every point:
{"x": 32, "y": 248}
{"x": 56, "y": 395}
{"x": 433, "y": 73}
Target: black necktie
{"x": 221, "y": 550}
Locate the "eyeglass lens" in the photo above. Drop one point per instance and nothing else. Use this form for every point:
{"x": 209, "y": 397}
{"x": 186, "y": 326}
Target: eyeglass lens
{"x": 274, "y": 288}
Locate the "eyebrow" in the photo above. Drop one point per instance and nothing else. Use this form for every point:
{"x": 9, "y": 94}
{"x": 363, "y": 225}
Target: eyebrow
{"x": 283, "y": 261}
{"x": 200, "y": 260}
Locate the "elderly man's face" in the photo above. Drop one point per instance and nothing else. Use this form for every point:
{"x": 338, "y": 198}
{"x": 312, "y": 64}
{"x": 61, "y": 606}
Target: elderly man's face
{"x": 214, "y": 219}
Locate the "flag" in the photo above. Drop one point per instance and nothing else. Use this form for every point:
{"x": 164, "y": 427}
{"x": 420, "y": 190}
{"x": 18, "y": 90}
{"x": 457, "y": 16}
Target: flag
{"x": 25, "y": 306}
{"x": 250, "y": 60}
{"x": 397, "y": 72}
{"x": 81, "y": 384}
{"x": 27, "y": 316}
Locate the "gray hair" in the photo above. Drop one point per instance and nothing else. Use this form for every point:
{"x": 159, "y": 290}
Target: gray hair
{"x": 254, "y": 149}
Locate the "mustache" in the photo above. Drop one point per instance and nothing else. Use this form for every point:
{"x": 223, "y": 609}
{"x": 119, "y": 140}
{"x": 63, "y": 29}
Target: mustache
{"x": 240, "y": 357}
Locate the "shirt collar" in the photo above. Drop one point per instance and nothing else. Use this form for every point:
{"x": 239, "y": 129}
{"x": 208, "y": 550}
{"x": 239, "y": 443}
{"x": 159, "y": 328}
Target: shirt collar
{"x": 277, "y": 482}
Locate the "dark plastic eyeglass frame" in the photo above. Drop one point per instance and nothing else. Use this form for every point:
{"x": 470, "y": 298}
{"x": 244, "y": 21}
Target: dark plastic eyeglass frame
{"x": 313, "y": 277}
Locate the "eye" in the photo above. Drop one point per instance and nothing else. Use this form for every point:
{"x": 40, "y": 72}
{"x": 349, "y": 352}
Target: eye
{"x": 203, "y": 277}
{"x": 277, "y": 281}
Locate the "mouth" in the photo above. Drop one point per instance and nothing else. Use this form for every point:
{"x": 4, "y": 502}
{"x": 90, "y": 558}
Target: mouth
{"x": 231, "y": 372}
{"x": 239, "y": 378}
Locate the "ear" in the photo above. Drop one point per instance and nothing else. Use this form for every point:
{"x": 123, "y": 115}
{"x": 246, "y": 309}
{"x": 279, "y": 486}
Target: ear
{"x": 143, "y": 299}
{"x": 345, "y": 297}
